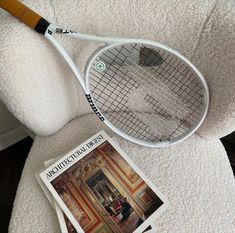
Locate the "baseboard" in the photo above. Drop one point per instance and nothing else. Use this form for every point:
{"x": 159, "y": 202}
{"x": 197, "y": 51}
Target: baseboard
{"x": 11, "y": 137}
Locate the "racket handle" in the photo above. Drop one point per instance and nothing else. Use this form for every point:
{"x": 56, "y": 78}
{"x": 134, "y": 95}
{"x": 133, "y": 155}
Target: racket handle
{"x": 25, "y": 15}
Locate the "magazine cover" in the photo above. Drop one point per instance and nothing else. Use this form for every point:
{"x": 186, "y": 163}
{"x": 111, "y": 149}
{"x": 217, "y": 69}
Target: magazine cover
{"x": 100, "y": 189}
{"x": 65, "y": 225}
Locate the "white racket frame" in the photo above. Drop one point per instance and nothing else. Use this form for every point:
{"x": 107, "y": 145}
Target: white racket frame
{"x": 111, "y": 42}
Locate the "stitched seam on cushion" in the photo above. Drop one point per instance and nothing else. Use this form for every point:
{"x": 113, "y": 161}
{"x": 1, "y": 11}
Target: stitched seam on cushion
{"x": 203, "y": 28}
{"x": 198, "y": 41}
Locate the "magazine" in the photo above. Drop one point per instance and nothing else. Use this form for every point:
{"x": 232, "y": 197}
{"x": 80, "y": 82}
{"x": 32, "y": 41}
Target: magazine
{"x": 65, "y": 224}
{"x": 97, "y": 188}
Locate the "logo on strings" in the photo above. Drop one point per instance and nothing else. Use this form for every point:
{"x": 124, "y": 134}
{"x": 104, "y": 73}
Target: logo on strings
{"x": 100, "y": 66}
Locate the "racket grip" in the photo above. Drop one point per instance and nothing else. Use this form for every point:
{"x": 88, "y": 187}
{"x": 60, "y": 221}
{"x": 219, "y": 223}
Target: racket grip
{"x": 25, "y": 15}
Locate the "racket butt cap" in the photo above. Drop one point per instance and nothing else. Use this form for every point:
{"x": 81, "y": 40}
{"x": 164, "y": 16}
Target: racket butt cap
{"x": 42, "y": 26}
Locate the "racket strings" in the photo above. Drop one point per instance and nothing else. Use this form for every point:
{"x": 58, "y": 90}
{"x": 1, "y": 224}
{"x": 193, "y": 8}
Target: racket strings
{"x": 153, "y": 84}
{"x": 158, "y": 85}
{"x": 129, "y": 121}
{"x": 176, "y": 108}
{"x": 112, "y": 84}
{"x": 174, "y": 80}
{"x": 177, "y": 70}
{"x": 123, "y": 119}
{"x": 118, "y": 83}
{"x": 105, "y": 87}
{"x": 107, "y": 84}
{"x": 191, "y": 90}
{"x": 132, "y": 62}
{"x": 163, "y": 126}
{"x": 113, "y": 88}
{"x": 162, "y": 123}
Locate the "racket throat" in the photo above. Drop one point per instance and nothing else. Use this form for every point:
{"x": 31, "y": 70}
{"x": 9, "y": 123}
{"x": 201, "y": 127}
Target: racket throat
{"x": 94, "y": 108}
{"x": 42, "y": 26}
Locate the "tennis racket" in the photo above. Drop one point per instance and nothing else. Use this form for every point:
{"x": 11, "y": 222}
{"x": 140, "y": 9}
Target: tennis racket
{"x": 143, "y": 90}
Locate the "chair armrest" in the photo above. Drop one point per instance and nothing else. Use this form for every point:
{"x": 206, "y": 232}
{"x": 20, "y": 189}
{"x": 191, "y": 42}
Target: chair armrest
{"x": 214, "y": 55}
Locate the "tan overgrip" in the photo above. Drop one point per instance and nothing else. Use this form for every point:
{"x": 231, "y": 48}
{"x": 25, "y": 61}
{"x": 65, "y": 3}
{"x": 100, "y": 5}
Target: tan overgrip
{"x": 20, "y": 11}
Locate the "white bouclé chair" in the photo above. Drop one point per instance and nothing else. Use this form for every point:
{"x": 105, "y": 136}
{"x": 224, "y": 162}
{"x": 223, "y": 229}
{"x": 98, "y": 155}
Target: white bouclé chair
{"x": 42, "y": 93}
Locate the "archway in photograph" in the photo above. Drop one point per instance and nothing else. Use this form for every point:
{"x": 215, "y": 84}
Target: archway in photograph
{"x": 115, "y": 205}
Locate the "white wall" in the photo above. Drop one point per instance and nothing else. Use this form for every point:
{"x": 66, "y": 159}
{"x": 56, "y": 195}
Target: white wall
{"x": 11, "y": 131}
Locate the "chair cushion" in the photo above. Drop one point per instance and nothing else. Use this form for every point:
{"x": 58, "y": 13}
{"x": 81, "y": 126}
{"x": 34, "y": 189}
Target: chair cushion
{"x": 195, "y": 176}
{"x": 201, "y": 30}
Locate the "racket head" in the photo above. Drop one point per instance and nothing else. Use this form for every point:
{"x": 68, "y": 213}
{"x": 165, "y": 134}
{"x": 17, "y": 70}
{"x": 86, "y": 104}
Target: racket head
{"x": 146, "y": 92}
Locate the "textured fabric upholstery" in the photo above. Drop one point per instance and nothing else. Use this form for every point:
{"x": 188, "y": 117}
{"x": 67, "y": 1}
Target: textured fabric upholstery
{"x": 195, "y": 175}
{"x": 201, "y": 30}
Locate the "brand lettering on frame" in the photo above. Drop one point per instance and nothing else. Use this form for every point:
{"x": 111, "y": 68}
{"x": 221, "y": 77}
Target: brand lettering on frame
{"x": 94, "y": 107}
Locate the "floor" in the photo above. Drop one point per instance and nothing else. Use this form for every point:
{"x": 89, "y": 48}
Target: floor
{"x": 229, "y": 144}
{"x": 129, "y": 225}
{"x": 12, "y": 161}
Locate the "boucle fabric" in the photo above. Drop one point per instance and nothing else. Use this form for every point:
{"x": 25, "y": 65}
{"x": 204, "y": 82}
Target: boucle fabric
{"x": 202, "y": 30}
{"x": 195, "y": 176}
{"x": 42, "y": 93}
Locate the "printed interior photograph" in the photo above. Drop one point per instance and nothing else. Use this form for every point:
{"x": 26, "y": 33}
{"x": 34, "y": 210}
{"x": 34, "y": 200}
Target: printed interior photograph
{"x": 82, "y": 80}
{"x": 71, "y": 229}
{"x": 105, "y": 194}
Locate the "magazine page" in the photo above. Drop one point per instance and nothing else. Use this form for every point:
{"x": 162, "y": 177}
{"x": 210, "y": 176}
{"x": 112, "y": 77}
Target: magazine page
{"x": 65, "y": 225}
{"x": 99, "y": 188}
